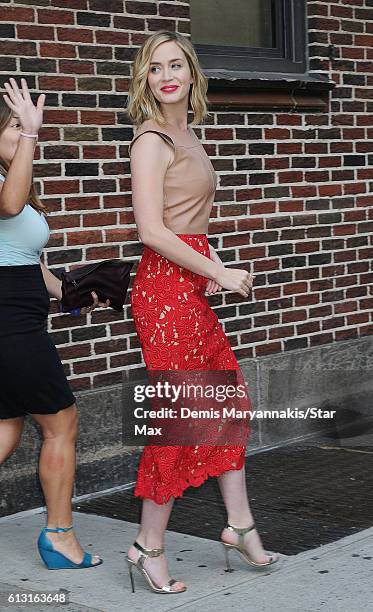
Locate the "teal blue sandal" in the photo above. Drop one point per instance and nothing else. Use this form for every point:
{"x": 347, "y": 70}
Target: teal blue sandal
{"x": 56, "y": 560}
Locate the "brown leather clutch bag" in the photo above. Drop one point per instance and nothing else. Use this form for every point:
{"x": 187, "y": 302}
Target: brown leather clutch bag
{"x": 109, "y": 279}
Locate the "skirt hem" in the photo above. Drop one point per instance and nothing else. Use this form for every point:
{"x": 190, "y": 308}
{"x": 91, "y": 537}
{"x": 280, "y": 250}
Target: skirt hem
{"x": 181, "y": 485}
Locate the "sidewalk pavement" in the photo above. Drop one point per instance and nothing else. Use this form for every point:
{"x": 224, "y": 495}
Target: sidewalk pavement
{"x": 337, "y": 577}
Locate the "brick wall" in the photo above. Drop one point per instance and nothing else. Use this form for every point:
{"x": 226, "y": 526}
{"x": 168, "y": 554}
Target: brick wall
{"x": 293, "y": 202}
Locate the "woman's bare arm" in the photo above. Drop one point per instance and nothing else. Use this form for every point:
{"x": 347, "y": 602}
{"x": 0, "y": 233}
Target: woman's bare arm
{"x": 150, "y": 156}
{"x": 52, "y": 283}
{"x": 149, "y": 161}
{"x": 15, "y": 190}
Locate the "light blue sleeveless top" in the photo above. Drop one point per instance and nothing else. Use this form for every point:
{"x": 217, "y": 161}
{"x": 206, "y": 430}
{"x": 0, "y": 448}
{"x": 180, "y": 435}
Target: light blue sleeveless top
{"x": 22, "y": 237}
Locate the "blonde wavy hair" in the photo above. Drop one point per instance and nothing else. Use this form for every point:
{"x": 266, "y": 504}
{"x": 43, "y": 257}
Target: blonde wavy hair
{"x": 5, "y": 116}
{"x": 142, "y": 104}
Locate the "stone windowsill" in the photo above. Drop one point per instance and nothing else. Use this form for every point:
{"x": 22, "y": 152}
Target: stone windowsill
{"x": 277, "y": 91}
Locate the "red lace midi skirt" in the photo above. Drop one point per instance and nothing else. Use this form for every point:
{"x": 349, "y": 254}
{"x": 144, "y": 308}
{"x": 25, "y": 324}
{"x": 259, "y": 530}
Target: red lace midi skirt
{"x": 192, "y": 339}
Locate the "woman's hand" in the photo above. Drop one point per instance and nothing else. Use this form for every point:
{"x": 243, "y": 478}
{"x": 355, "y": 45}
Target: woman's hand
{"x": 87, "y": 309}
{"x": 236, "y": 280}
{"x": 212, "y": 286}
{"x": 19, "y": 101}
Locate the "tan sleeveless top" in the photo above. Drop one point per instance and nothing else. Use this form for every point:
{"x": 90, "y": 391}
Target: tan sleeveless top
{"x": 190, "y": 181}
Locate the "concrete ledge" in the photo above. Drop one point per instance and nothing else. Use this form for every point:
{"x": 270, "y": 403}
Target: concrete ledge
{"x": 337, "y": 377}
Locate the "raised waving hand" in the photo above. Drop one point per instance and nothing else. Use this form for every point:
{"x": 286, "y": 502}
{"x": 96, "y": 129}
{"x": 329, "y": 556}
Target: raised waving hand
{"x": 20, "y": 102}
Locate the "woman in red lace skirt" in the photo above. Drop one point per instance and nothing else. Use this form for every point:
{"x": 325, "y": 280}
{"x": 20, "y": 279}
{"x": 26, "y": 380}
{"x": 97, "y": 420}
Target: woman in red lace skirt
{"x": 173, "y": 188}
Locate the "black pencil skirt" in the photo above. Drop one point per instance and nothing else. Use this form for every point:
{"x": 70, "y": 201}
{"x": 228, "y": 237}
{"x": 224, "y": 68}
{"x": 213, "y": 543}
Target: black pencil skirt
{"x": 32, "y": 379}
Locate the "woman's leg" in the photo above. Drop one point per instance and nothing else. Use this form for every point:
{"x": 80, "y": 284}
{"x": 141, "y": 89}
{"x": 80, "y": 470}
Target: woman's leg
{"x": 10, "y": 436}
{"x": 154, "y": 519}
{"x": 233, "y": 489}
{"x": 57, "y": 473}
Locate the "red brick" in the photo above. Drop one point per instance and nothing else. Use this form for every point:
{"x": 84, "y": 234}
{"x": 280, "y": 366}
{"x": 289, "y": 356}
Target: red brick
{"x": 276, "y": 134}
{"x": 84, "y": 237}
{"x": 249, "y": 194}
{"x": 332, "y": 161}
{"x": 56, "y": 240}
{"x": 80, "y": 384}
{"x": 307, "y": 247}
{"x": 289, "y": 148}
{"x": 76, "y": 67}
{"x": 276, "y": 163}
{"x": 292, "y": 316}
{"x": 110, "y": 37}
{"x": 64, "y": 221}
{"x": 89, "y": 365}
{"x": 103, "y": 252}
{"x": 120, "y": 235}
{"x": 364, "y": 40}
{"x": 49, "y": 133}
{"x": 100, "y": 152}
{"x": 98, "y": 117}
{"x": 354, "y": 215}
{"x": 364, "y": 174}
{"x": 55, "y": 16}
{"x": 111, "y": 346}
{"x": 82, "y": 203}
{"x": 110, "y": 378}
{"x": 330, "y": 190}
{"x": 129, "y": 23}
{"x": 268, "y": 349}
{"x": 267, "y": 293}
{"x": 291, "y": 206}
{"x": 57, "y": 82}
{"x": 281, "y": 332}
{"x": 122, "y": 328}
{"x": 305, "y": 191}
{"x": 266, "y": 265}
{"x": 250, "y": 223}
{"x": 99, "y": 219}
{"x": 9, "y": 47}
{"x": 351, "y": 188}
{"x": 119, "y": 361}
{"x": 32, "y": 32}
{"x": 62, "y": 187}
{"x": 316, "y": 177}
{"x": 75, "y": 351}
{"x": 236, "y": 240}
{"x": 15, "y": 15}
{"x": 290, "y": 177}
{"x": 294, "y": 288}
{"x": 61, "y": 116}
{"x": 221, "y": 227}
{"x": 75, "y": 35}
{"x": 365, "y": 201}
{"x": 252, "y": 253}
{"x": 353, "y": 52}
{"x": 57, "y": 50}
{"x": 126, "y": 218}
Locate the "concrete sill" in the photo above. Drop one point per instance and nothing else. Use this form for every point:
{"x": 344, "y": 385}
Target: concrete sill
{"x": 276, "y": 91}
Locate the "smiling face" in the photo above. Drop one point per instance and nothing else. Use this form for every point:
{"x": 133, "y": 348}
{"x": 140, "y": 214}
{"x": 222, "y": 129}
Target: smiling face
{"x": 9, "y": 138}
{"x": 169, "y": 74}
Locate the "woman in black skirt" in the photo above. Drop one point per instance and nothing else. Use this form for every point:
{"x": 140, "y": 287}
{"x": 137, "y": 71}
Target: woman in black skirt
{"x": 32, "y": 377}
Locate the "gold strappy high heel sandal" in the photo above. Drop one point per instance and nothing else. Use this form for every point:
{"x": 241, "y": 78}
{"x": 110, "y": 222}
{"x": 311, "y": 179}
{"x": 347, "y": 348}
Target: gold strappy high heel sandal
{"x": 144, "y": 553}
{"x": 240, "y": 547}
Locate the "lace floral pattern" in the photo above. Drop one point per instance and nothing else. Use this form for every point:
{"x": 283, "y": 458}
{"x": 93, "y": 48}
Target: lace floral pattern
{"x": 178, "y": 330}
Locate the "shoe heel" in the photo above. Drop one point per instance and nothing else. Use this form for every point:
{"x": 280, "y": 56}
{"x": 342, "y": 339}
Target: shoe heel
{"x": 52, "y": 559}
{"x": 131, "y": 576}
{"x": 226, "y": 549}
